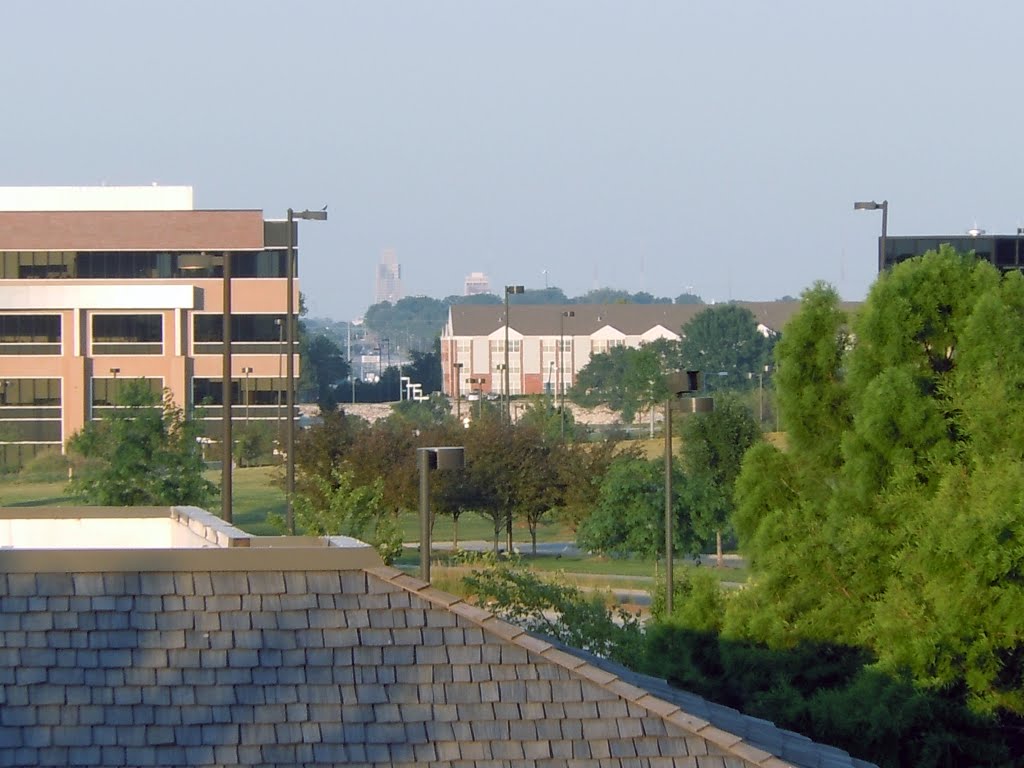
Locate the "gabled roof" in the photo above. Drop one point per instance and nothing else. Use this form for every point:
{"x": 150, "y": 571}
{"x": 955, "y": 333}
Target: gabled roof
{"x": 239, "y": 651}
{"x": 630, "y": 319}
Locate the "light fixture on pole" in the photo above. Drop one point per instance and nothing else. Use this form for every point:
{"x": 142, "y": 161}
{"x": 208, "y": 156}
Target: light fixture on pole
{"x": 884, "y": 207}
{"x": 279, "y": 322}
{"x": 679, "y": 384}
{"x": 245, "y": 394}
{"x": 457, "y": 388}
{"x": 306, "y": 215}
{"x": 116, "y": 393}
{"x": 448, "y": 457}
{"x": 561, "y": 364}
{"x": 509, "y": 290}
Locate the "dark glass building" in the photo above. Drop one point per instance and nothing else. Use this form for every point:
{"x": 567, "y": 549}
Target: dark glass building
{"x": 1004, "y": 251}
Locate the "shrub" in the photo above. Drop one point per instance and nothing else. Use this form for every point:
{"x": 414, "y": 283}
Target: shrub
{"x": 46, "y": 467}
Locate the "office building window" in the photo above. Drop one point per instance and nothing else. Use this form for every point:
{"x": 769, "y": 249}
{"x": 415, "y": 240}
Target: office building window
{"x": 127, "y": 334}
{"x": 136, "y": 265}
{"x": 29, "y": 334}
{"x": 252, "y": 334}
{"x": 106, "y": 391}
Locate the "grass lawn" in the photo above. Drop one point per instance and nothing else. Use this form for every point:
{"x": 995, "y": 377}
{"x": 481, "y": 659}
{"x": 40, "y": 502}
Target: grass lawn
{"x": 258, "y": 493}
{"x": 474, "y": 527}
{"x": 20, "y": 493}
{"x": 255, "y": 491}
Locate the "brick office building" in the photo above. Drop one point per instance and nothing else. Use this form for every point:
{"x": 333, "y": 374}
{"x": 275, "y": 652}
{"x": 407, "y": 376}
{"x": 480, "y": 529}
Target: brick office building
{"x": 99, "y": 285}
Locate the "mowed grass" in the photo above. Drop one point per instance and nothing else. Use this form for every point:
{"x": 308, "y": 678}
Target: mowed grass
{"x": 258, "y": 496}
{"x": 257, "y": 493}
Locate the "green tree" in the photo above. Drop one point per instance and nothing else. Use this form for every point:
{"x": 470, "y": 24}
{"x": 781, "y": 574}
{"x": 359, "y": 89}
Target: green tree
{"x": 425, "y": 368}
{"x": 583, "y": 466}
{"x": 253, "y": 443}
{"x": 324, "y": 368}
{"x": 688, "y": 298}
{"x": 416, "y": 320}
{"x": 713, "y": 448}
{"x": 629, "y": 517}
{"x": 626, "y": 379}
{"x": 143, "y": 452}
{"x": 341, "y": 507}
{"x": 476, "y": 298}
{"x": 723, "y": 342}
{"x": 605, "y": 296}
{"x": 559, "y": 611}
{"x": 535, "y": 484}
{"x": 891, "y": 522}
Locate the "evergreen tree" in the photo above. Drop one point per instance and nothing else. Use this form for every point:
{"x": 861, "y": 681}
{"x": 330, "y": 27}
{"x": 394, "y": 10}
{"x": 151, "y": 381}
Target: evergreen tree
{"x": 892, "y": 521}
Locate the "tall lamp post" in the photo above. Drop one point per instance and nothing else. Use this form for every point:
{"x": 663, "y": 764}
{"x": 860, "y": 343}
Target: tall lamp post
{"x": 479, "y": 389}
{"x": 884, "y": 207}
{"x": 561, "y": 365}
{"x": 448, "y": 457}
{"x": 246, "y": 371}
{"x": 679, "y": 385}
{"x": 279, "y": 322}
{"x": 457, "y": 389}
{"x": 509, "y": 290}
{"x": 306, "y": 215}
{"x": 117, "y": 391}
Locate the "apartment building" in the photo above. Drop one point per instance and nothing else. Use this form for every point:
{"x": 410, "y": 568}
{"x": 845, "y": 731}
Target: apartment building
{"x": 99, "y": 285}
{"x": 548, "y": 344}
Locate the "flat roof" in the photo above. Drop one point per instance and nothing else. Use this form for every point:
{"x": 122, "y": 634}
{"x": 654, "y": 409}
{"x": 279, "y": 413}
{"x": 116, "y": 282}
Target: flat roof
{"x": 153, "y": 197}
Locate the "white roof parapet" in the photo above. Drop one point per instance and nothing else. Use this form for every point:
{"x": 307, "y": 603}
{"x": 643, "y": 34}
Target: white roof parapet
{"x": 133, "y": 198}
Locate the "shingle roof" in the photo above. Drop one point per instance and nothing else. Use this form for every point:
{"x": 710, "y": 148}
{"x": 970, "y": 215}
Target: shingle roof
{"x": 631, "y": 319}
{"x": 272, "y": 663}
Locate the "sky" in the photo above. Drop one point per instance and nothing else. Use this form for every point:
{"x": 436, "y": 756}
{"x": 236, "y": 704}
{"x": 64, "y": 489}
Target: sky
{"x": 697, "y": 146}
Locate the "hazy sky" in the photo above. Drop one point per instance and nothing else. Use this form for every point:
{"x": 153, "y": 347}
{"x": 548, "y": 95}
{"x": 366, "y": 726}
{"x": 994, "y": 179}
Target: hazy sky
{"x": 639, "y": 145}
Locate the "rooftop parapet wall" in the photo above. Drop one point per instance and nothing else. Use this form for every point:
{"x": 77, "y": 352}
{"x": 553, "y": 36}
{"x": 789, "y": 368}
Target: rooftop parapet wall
{"x": 91, "y": 539}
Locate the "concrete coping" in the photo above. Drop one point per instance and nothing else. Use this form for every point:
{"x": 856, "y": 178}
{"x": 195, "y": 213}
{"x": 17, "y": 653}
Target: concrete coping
{"x": 220, "y": 546}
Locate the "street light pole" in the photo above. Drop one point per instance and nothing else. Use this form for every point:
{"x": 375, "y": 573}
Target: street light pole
{"x": 117, "y": 391}
{"x": 509, "y": 290}
{"x": 884, "y": 207}
{"x": 550, "y": 385}
{"x": 679, "y": 384}
{"x": 306, "y": 215}
{"x": 457, "y": 389}
{"x": 448, "y": 457}
{"x": 226, "y": 459}
{"x": 279, "y": 322}
{"x": 246, "y": 371}
{"x": 561, "y": 364}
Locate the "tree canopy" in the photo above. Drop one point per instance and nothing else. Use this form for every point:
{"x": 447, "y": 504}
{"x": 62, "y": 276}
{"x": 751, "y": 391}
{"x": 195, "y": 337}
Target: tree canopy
{"x": 892, "y": 521}
{"x": 142, "y": 452}
{"x": 724, "y": 342}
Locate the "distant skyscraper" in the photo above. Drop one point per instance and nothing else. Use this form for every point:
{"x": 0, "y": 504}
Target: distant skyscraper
{"x": 476, "y": 283}
{"x": 389, "y": 278}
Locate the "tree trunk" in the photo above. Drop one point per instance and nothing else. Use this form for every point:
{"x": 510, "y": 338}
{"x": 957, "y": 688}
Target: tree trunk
{"x": 455, "y": 532}
{"x": 533, "y": 538}
{"x": 497, "y": 535}
{"x": 718, "y": 549}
